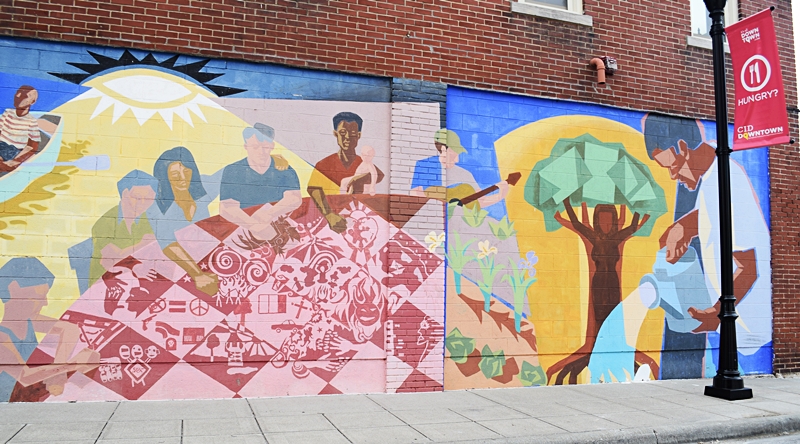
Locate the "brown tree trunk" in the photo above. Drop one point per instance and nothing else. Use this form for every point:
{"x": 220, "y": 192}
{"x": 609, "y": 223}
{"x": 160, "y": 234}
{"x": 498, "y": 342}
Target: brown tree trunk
{"x": 604, "y": 243}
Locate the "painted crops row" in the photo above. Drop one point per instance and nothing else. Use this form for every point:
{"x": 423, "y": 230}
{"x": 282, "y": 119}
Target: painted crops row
{"x": 174, "y": 227}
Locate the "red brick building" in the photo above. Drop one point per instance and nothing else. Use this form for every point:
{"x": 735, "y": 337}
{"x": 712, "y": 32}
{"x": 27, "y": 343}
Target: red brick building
{"x": 466, "y": 58}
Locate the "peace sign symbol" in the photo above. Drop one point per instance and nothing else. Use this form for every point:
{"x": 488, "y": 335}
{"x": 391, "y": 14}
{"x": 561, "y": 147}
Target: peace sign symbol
{"x": 198, "y": 307}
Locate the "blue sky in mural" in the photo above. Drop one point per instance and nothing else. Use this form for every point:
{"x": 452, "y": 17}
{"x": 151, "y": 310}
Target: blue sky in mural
{"x": 482, "y": 117}
{"x": 260, "y": 80}
{"x": 52, "y": 93}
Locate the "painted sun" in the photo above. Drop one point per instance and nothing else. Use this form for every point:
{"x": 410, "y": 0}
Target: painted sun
{"x": 147, "y": 93}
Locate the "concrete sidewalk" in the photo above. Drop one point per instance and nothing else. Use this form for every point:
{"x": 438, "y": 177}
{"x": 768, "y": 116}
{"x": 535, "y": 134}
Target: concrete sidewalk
{"x": 658, "y": 411}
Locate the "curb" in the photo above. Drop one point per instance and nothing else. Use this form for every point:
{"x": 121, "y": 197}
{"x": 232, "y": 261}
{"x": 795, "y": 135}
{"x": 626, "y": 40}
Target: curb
{"x": 673, "y": 434}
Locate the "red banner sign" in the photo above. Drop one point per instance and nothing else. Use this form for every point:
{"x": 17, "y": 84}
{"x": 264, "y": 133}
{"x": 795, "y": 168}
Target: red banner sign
{"x": 760, "y": 118}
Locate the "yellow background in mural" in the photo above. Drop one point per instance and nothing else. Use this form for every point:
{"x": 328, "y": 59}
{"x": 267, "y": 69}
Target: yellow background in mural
{"x": 133, "y": 130}
{"x": 559, "y": 300}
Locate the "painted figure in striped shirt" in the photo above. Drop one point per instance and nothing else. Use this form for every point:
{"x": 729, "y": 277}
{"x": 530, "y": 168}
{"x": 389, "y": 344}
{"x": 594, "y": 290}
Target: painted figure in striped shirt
{"x": 19, "y": 131}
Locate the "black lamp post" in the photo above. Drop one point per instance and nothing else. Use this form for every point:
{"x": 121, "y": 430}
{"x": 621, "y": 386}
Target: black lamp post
{"x": 728, "y": 383}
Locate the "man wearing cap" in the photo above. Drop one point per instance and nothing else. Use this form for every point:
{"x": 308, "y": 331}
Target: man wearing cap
{"x": 438, "y": 175}
{"x": 258, "y": 179}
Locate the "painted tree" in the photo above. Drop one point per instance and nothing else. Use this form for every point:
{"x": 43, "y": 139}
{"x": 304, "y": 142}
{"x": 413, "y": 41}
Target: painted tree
{"x": 586, "y": 173}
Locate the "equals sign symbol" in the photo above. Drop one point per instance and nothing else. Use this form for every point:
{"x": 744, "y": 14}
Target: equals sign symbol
{"x": 177, "y": 306}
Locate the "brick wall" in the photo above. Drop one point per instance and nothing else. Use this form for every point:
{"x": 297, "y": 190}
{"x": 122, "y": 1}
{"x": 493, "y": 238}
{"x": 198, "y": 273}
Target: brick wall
{"x": 462, "y": 42}
{"x": 413, "y": 126}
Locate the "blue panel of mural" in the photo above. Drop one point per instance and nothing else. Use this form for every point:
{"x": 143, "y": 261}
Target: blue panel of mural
{"x": 618, "y": 212}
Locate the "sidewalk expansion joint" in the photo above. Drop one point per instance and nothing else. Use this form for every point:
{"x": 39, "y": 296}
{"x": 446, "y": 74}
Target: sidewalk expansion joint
{"x": 335, "y": 427}
{"x": 107, "y": 421}
{"x": 258, "y": 423}
{"x": 17, "y": 432}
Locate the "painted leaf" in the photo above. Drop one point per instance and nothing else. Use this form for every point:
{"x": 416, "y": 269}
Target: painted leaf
{"x": 459, "y": 346}
{"x": 492, "y": 363}
{"x": 502, "y": 229}
{"x": 475, "y": 216}
{"x": 531, "y": 375}
{"x": 585, "y": 169}
{"x": 457, "y": 255}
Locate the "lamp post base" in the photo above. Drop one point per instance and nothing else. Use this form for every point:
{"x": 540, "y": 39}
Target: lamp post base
{"x": 729, "y": 393}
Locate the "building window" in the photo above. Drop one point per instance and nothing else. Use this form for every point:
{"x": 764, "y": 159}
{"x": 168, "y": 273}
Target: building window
{"x": 570, "y": 11}
{"x": 567, "y": 5}
{"x": 701, "y": 22}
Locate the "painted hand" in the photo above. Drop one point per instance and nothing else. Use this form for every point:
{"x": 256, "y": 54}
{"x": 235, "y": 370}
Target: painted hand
{"x": 340, "y": 346}
{"x": 503, "y": 188}
{"x": 709, "y": 320}
{"x": 745, "y": 261}
{"x": 343, "y": 189}
{"x": 55, "y": 384}
{"x": 279, "y": 162}
{"x": 208, "y": 283}
{"x": 336, "y": 222}
{"x": 144, "y": 271}
{"x": 676, "y": 240}
{"x": 263, "y": 231}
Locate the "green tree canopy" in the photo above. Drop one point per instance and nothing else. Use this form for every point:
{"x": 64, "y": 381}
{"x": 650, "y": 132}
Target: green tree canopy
{"x": 585, "y": 169}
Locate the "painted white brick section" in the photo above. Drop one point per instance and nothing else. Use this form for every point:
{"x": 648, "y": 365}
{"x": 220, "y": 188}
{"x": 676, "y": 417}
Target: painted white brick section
{"x": 413, "y": 128}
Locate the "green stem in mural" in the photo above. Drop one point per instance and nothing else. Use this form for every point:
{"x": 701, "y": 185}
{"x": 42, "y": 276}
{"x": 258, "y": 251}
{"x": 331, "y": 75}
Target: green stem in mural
{"x": 457, "y": 257}
{"x": 489, "y": 271}
{"x": 519, "y": 285}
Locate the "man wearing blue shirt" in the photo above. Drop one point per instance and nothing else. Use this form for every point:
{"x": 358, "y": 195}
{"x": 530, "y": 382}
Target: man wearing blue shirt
{"x": 258, "y": 179}
{"x": 439, "y": 177}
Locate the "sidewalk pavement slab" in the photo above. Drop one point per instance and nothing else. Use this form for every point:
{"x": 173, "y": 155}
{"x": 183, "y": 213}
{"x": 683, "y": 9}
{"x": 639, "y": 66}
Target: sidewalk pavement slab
{"x": 297, "y": 423}
{"x": 310, "y": 437}
{"x": 221, "y": 427}
{"x": 55, "y": 412}
{"x": 46, "y": 432}
{"x": 653, "y": 412}
{"x": 152, "y": 428}
{"x": 384, "y": 435}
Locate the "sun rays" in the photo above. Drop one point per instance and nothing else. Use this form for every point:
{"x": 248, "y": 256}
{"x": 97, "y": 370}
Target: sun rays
{"x": 147, "y": 93}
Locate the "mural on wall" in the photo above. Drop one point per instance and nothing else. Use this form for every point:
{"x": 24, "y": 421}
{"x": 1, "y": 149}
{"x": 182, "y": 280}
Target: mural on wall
{"x": 173, "y": 227}
{"x": 184, "y": 228}
{"x": 604, "y": 253}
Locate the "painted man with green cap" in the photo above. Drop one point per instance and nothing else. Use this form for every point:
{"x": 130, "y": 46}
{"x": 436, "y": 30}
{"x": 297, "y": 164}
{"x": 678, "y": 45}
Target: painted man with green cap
{"x": 439, "y": 176}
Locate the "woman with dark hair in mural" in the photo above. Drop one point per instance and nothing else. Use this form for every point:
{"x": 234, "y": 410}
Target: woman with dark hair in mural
{"x": 24, "y": 284}
{"x": 181, "y": 200}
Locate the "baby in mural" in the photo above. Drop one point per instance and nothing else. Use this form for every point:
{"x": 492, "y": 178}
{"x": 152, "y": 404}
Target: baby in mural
{"x": 367, "y": 154}
{"x": 24, "y": 284}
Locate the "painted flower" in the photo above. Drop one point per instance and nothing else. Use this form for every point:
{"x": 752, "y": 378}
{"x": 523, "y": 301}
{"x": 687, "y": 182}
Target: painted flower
{"x": 434, "y": 241}
{"x": 529, "y": 263}
{"x": 485, "y": 250}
